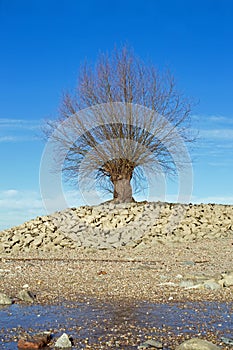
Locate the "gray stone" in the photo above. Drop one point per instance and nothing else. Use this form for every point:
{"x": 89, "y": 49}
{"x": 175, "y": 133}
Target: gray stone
{"x": 186, "y": 284}
{"x": 149, "y": 223}
{"x": 228, "y": 341}
{"x": 63, "y": 342}
{"x": 151, "y": 344}
{"x": 104, "y": 246}
{"x": 117, "y": 244}
{"x": 197, "y": 344}
{"x": 4, "y": 299}
{"x": 37, "y": 241}
{"x": 113, "y": 239}
{"x": 228, "y": 279}
{"x": 140, "y": 246}
{"x": 26, "y": 295}
{"x": 188, "y": 263}
{"x": 211, "y": 284}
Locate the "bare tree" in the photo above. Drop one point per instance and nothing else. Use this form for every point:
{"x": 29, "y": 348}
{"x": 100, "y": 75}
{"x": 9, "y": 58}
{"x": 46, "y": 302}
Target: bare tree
{"x": 126, "y": 116}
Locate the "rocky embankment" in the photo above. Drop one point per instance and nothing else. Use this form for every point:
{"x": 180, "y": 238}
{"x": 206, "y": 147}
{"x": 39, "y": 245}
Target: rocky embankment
{"x": 116, "y": 225}
{"x": 48, "y": 260}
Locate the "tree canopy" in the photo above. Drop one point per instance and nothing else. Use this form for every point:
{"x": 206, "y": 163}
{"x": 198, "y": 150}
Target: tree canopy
{"x": 124, "y": 116}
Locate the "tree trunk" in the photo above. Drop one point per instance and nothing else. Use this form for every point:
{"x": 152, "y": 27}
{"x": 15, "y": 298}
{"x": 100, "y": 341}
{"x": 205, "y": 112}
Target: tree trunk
{"x": 120, "y": 172}
{"x": 122, "y": 191}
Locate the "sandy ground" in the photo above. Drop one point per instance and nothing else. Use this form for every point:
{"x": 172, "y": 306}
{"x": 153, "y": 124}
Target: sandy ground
{"x": 141, "y": 274}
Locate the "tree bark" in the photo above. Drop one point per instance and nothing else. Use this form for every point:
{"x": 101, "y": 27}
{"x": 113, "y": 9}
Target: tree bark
{"x": 120, "y": 172}
{"x": 122, "y": 191}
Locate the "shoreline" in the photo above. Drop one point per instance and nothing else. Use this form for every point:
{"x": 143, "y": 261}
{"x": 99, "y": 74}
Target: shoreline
{"x": 152, "y": 274}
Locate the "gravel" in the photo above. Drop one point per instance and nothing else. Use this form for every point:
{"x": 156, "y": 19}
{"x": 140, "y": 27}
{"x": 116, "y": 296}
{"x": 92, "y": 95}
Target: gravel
{"x": 142, "y": 273}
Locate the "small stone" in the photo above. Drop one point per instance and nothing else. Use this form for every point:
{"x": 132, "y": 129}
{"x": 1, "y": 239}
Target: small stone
{"x": 186, "y": 284}
{"x": 101, "y": 273}
{"x": 151, "y": 344}
{"x": 141, "y": 246}
{"x": 63, "y": 342}
{"x": 37, "y": 341}
{"x": 211, "y": 284}
{"x": 188, "y": 263}
{"x": 228, "y": 279}
{"x": 26, "y": 295}
{"x": 228, "y": 341}
{"x": 4, "y": 299}
{"x": 197, "y": 344}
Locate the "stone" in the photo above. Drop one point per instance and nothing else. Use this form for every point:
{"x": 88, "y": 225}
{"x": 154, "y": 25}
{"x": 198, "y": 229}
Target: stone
{"x": 211, "y": 284}
{"x": 140, "y": 246}
{"x": 149, "y": 223}
{"x": 26, "y": 295}
{"x": 228, "y": 341}
{"x": 104, "y": 246}
{"x": 37, "y": 341}
{"x": 188, "y": 263}
{"x": 3, "y": 271}
{"x": 186, "y": 284}
{"x": 37, "y": 241}
{"x": 228, "y": 279}
{"x": 114, "y": 238}
{"x": 63, "y": 342}
{"x": 151, "y": 344}
{"x": 197, "y": 344}
{"x": 4, "y": 299}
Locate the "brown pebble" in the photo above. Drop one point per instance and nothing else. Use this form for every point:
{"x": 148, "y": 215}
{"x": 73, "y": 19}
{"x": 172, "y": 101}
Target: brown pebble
{"x": 35, "y": 342}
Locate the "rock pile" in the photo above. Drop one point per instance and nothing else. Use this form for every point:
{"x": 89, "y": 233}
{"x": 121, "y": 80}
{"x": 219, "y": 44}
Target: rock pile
{"x": 116, "y": 225}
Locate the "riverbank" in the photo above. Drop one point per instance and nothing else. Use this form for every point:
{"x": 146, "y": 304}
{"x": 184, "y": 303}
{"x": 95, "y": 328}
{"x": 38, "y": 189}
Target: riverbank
{"x": 164, "y": 273}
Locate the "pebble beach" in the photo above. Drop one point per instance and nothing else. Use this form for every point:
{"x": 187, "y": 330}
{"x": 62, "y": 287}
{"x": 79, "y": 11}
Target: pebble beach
{"x": 176, "y": 270}
{"x": 151, "y": 274}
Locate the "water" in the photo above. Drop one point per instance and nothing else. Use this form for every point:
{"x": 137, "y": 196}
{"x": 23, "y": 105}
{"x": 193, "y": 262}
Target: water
{"x": 116, "y": 325}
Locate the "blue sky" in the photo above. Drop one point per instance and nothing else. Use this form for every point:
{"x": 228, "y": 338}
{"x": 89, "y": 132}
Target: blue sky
{"x": 42, "y": 45}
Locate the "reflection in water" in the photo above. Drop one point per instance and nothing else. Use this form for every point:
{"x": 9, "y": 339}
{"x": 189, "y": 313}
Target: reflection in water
{"x": 116, "y": 324}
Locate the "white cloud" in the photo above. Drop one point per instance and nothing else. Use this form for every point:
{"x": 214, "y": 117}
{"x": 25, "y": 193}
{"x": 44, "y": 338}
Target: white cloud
{"x": 28, "y": 138}
{"x": 28, "y": 124}
{"x": 216, "y": 134}
{"x": 220, "y": 163}
{"x": 20, "y": 199}
{"x": 7, "y": 138}
{"x": 17, "y": 207}
{"x": 18, "y": 130}
{"x": 10, "y": 193}
{"x": 220, "y": 119}
{"x": 213, "y": 127}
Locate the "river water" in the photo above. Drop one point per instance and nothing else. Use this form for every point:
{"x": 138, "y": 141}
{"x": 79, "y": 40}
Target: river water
{"x": 117, "y": 325}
